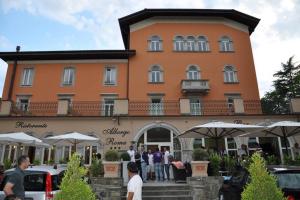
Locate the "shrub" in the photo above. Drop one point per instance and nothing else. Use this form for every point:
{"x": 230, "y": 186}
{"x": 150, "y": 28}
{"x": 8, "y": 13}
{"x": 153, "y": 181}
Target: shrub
{"x": 73, "y": 187}
{"x": 7, "y": 164}
{"x": 215, "y": 161}
{"x": 200, "y": 155}
{"x": 229, "y": 163}
{"x": 263, "y": 184}
{"x": 111, "y": 155}
{"x": 36, "y": 162}
{"x": 96, "y": 168}
{"x": 271, "y": 160}
{"x": 288, "y": 160}
{"x": 125, "y": 156}
{"x": 297, "y": 160}
{"x": 63, "y": 161}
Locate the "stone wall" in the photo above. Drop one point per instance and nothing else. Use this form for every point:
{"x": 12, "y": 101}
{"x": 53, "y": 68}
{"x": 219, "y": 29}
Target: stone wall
{"x": 205, "y": 187}
{"x": 107, "y": 188}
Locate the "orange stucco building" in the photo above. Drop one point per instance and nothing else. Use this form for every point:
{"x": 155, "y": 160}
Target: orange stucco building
{"x": 180, "y": 67}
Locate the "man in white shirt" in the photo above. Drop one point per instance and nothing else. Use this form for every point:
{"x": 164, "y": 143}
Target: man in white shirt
{"x": 131, "y": 153}
{"x": 166, "y": 162}
{"x": 134, "y": 187}
{"x": 151, "y": 164}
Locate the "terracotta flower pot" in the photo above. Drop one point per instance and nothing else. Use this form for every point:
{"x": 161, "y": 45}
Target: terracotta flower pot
{"x": 111, "y": 169}
{"x": 199, "y": 168}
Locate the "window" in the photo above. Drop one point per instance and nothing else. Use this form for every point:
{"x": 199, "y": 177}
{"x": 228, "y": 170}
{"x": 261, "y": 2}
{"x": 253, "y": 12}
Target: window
{"x": 231, "y": 146}
{"x": 226, "y": 44}
{"x": 203, "y": 44}
{"x": 155, "y": 75}
{"x": 190, "y": 43}
{"x": 23, "y": 103}
{"x": 27, "y": 77}
{"x": 110, "y": 76}
{"x": 198, "y": 143}
{"x": 230, "y": 75}
{"x": 193, "y": 73}
{"x": 178, "y": 43}
{"x": 156, "y": 106}
{"x": 155, "y": 43}
{"x": 195, "y": 106}
{"x": 230, "y": 101}
{"x": 108, "y": 107}
{"x": 68, "y": 77}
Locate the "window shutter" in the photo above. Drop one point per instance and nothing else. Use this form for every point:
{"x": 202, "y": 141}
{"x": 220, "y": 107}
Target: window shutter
{"x": 161, "y": 76}
{"x": 113, "y": 75}
{"x": 30, "y": 76}
{"x": 207, "y": 46}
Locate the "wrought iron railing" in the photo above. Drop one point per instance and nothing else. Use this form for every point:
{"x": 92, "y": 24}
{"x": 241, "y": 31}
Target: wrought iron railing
{"x": 34, "y": 109}
{"x": 135, "y": 108}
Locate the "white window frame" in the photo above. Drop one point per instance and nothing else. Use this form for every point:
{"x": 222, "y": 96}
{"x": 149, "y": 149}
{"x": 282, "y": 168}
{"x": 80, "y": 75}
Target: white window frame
{"x": 179, "y": 43}
{"x": 25, "y": 107}
{"x": 27, "y": 76}
{"x": 108, "y": 105}
{"x": 155, "y": 43}
{"x": 230, "y": 74}
{"x": 156, "y": 108}
{"x": 190, "y": 44}
{"x": 226, "y": 44}
{"x": 110, "y": 78}
{"x": 68, "y": 78}
{"x": 195, "y": 107}
{"x": 203, "y": 45}
{"x": 231, "y": 149}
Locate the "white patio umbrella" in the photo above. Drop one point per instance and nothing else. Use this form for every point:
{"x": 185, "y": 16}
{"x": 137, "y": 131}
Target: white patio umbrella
{"x": 74, "y": 138}
{"x": 283, "y": 129}
{"x": 217, "y": 130}
{"x": 21, "y": 138}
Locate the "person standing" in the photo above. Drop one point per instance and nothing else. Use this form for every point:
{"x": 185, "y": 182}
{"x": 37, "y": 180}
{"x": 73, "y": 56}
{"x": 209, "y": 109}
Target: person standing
{"x": 151, "y": 165}
{"x": 134, "y": 186}
{"x": 144, "y": 164}
{"x": 15, "y": 182}
{"x": 167, "y": 163}
{"x": 157, "y": 158}
{"x": 131, "y": 153}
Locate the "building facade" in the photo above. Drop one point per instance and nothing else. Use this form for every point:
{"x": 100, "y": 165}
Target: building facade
{"x": 180, "y": 68}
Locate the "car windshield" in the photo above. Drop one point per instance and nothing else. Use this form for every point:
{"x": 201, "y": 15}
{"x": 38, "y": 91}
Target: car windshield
{"x": 288, "y": 180}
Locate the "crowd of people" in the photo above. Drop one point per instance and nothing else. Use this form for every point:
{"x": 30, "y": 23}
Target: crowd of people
{"x": 152, "y": 164}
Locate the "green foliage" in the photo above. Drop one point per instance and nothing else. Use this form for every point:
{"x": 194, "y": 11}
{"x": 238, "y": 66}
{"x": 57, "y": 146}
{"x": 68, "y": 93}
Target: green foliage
{"x": 63, "y": 161}
{"x": 286, "y": 86}
{"x": 229, "y": 163}
{"x": 37, "y": 162}
{"x": 297, "y": 160}
{"x": 215, "y": 161}
{"x": 111, "y": 155}
{"x": 263, "y": 185}
{"x": 73, "y": 187}
{"x": 272, "y": 160}
{"x": 7, "y": 164}
{"x": 50, "y": 162}
{"x": 200, "y": 155}
{"x": 125, "y": 156}
{"x": 96, "y": 168}
{"x": 288, "y": 160}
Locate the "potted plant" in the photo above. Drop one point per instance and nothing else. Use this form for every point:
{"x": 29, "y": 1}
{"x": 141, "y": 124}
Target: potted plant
{"x": 111, "y": 164}
{"x": 229, "y": 164}
{"x": 96, "y": 168}
{"x": 215, "y": 161}
{"x": 199, "y": 163}
{"x": 125, "y": 158}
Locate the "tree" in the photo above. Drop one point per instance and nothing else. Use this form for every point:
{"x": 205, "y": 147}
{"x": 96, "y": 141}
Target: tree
{"x": 263, "y": 184}
{"x": 73, "y": 186}
{"x": 286, "y": 86}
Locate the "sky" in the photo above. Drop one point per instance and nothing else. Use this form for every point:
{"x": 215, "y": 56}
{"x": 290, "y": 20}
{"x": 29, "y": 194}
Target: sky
{"x": 39, "y": 25}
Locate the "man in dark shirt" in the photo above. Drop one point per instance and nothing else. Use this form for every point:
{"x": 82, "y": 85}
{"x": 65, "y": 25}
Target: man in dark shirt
{"x": 157, "y": 158}
{"x": 15, "y": 182}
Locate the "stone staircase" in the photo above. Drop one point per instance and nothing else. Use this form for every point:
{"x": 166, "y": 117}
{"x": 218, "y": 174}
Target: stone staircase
{"x": 161, "y": 191}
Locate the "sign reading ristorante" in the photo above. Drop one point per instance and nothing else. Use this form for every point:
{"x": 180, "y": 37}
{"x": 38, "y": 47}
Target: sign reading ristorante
{"x": 20, "y": 124}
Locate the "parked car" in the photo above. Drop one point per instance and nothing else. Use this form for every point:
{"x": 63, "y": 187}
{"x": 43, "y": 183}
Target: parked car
{"x": 288, "y": 179}
{"x": 40, "y": 182}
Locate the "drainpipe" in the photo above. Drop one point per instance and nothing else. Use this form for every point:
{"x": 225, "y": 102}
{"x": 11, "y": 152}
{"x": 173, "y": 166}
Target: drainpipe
{"x": 12, "y": 80}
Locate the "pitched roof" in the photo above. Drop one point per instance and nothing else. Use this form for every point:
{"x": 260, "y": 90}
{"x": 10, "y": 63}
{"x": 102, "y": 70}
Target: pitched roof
{"x": 231, "y": 14}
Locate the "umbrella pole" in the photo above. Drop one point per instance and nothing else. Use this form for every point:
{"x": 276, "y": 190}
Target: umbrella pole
{"x": 285, "y": 142}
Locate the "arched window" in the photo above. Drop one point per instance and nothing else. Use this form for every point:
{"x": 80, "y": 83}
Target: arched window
{"x": 226, "y": 44}
{"x": 178, "y": 43}
{"x": 193, "y": 73}
{"x": 230, "y": 75}
{"x": 190, "y": 43}
{"x": 155, "y": 74}
{"x": 155, "y": 43}
{"x": 202, "y": 43}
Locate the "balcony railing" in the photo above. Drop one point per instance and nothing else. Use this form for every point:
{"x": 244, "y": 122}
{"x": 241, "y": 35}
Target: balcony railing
{"x": 135, "y": 108}
{"x": 200, "y": 86}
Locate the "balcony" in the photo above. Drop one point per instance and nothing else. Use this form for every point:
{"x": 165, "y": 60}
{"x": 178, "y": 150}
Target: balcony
{"x": 195, "y": 86}
{"x": 131, "y": 108}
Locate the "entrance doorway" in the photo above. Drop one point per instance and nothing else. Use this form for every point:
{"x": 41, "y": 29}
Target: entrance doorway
{"x": 160, "y": 137}
{"x": 31, "y": 153}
